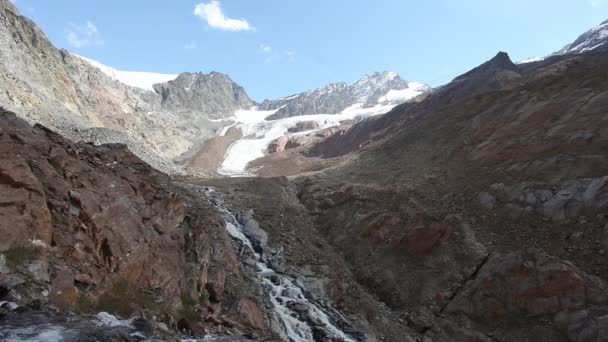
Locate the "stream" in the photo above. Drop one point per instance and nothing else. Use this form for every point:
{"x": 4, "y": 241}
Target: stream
{"x": 301, "y": 319}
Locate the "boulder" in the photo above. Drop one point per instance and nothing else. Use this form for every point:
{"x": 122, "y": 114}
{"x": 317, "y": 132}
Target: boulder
{"x": 303, "y": 126}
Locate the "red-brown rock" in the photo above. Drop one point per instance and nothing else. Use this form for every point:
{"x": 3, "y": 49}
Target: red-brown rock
{"x": 251, "y": 314}
{"x": 533, "y": 283}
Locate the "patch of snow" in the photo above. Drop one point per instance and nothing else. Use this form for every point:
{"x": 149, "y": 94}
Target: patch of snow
{"x": 138, "y": 79}
{"x": 414, "y": 89}
{"x": 531, "y": 60}
{"x": 258, "y": 133}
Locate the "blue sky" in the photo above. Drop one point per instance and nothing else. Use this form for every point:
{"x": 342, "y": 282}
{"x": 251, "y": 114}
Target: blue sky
{"x": 278, "y": 47}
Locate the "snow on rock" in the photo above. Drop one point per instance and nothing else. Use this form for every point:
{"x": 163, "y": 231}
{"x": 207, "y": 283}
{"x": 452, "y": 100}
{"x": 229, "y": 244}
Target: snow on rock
{"x": 258, "y": 132}
{"x": 531, "y": 60}
{"x": 138, "y": 79}
{"x": 588, "y": 41}
{"x": 414, "y": 89}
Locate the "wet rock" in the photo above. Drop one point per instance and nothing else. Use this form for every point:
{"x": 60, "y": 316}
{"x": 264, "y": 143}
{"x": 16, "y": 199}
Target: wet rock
{"x": 251, "y": 228}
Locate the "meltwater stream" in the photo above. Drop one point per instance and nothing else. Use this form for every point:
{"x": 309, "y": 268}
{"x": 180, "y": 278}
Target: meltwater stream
{"x": 299, "y": 317}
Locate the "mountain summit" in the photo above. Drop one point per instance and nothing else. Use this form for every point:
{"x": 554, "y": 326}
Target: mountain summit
{"x": 593, "y": 39}
{"x": 379, "y": 88}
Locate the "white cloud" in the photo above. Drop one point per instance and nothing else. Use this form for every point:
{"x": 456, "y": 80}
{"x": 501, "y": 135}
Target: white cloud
{"x": 271, "y": 55}
{"x": 190, "y": 46}
{"x": 289, "y": 54}
{"x": 265, "y": 48}
{"x": 215, "y": 18}
{"x": 84, "y": 35}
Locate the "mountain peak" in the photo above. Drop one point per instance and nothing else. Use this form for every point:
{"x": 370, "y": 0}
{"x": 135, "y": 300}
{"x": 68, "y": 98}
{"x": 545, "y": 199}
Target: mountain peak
{"x": 499, "y": 62}
{"x": 383, "y": 88}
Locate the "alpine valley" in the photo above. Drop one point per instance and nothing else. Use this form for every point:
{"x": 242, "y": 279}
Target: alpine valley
{"x": 137, "y": 206}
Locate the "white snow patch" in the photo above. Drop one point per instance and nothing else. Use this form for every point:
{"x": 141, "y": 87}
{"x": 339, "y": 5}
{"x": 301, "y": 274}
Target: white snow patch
{"x": 531, "y": 60}
{"x": 138, "y": 79}
{"x": 258, "y": 133}
{"x": 414, "y": 89}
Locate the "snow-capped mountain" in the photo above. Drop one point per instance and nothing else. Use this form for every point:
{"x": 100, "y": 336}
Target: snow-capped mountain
{"x": 380, "y": 88}
{"x": 590, "y": 40}
{"x": 593, "y": 39}
{"x": 138, "y": 79}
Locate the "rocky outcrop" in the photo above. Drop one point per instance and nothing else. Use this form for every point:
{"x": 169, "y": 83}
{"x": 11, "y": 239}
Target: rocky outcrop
{"x": 214, "y": 94}
{"x": 559, "y": 202}
{"x": 91, "y": 229}
{"x": 533, "y": 284}
{"x": 303, "y": 126}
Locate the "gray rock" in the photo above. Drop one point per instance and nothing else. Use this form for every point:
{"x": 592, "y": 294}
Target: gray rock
{"x": 486, "y": 200}
{"x": 214, "y": 95}
{"x": 592, "y": 191}
{"x": 251, "y": 228}
{"x": 555, "y": 207}
{"x": 544, "y": 195}
{"x": 303, "y": 126}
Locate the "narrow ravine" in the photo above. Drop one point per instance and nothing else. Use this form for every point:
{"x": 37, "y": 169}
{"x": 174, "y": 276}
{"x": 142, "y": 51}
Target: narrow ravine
{"x": 301, "y": 319}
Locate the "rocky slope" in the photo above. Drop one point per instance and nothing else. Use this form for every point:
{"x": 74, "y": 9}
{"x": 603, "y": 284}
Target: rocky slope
{"x": 70, "y": 94}
{"x": 88, "y": 229}
{"x": 371, "y": 90}
{"x": 477, "y": 214}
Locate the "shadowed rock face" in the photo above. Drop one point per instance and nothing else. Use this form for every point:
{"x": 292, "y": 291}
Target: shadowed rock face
{"x": 467, "y": 212}
{"x": 99, "y": 230}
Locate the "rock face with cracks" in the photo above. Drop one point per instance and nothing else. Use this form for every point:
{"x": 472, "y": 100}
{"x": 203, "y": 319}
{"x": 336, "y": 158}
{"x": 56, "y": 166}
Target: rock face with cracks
{"x": 95, "y": 229}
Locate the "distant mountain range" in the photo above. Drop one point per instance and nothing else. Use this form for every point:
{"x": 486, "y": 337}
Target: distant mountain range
{"x": 380, "y": 88}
